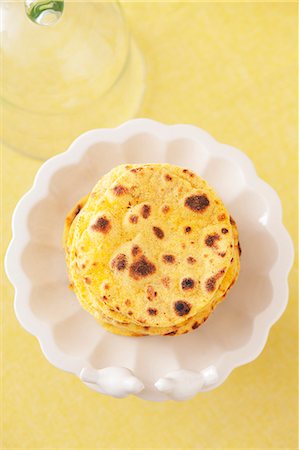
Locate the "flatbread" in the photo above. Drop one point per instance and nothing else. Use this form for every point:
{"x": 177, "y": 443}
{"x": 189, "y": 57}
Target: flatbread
{"x": 192, "y": 323}
{"x": 150, "y": 249}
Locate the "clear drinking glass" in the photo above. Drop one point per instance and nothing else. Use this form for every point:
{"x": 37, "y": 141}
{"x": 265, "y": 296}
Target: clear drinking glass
{"x": 82, "y": 71}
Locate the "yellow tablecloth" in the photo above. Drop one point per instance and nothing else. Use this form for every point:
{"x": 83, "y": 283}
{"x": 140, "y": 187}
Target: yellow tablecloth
{"x": 231, "y": 69}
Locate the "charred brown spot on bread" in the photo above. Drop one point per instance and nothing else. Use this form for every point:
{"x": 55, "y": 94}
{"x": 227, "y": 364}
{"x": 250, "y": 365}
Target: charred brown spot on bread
{"x": 221, "y": 217}
{"x": 171, "y": 333}
{"x": 222, "y": 254}
{"x": 128, "y": 302}
{"x": 165, "y": 209}
{"x": 187, "y": 283}
{"x": 183, "y": 245}
{"x": 197, "y": 203}
{"x": 191, "y": 260}
{"x": 119, "y": 190}
{"x": 87, "y": 280}
{"x": 165, "y": 281}
{"x": 168, "y": 259}
{"x": 76, "y": 212}
{"x": 136, "y": 169}
{"x": 152, "y": 311}
{"x": 187, "y": 229}
{"x": 102, "y": 225}
{"x": 151, "y": 293}
{"x": 239, "y": 248}
{"x": 136, "y": 250}
{"x": 142, "y": 268}
{"x": 133, "y": 219}
{"x": 182, "y": 308}
{"x": 191, "y": 174}
{"x": 71, "y": 217}
{"x": 224, "y": 230}
{"x": 220, "y": 273}
{"x": 211, "y": 239}
{"x": 158, "y": 232}
{"x": 130, "y": 313}
{"x": 106, "y": 286}
{"x": 117, "y": 307}
{"x": 211, "y": 282}
{"x": 119, "y": 262}
{"x": 145, "y": 211}
{"x": 141, "y": 320}
{"x": 232, "y": 220}
{"x": 195, "y": 325}
{"x": 167, "y": 177}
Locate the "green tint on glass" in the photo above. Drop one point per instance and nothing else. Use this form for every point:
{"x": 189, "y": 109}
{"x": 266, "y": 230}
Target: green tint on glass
{"x": 44, "y": 12}
{"x": 59, "y": 81}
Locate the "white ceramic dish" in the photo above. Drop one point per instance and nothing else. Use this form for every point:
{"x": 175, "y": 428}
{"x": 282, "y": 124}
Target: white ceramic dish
{"x": 154, "y": 368}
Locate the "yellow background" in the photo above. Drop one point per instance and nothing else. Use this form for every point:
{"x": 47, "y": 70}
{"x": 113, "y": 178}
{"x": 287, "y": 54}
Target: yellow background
{"x": 231, "y": 69}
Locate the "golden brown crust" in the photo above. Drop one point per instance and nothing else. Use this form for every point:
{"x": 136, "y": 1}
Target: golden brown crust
{"x": 168, "y": 290}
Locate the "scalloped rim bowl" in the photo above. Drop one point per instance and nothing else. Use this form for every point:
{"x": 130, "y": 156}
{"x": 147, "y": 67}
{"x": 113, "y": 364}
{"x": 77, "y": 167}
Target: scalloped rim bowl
{"x": 154, "y": 368}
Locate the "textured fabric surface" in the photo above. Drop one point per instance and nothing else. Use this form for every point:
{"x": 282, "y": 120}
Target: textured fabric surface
{"x": 229, "y": 68}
